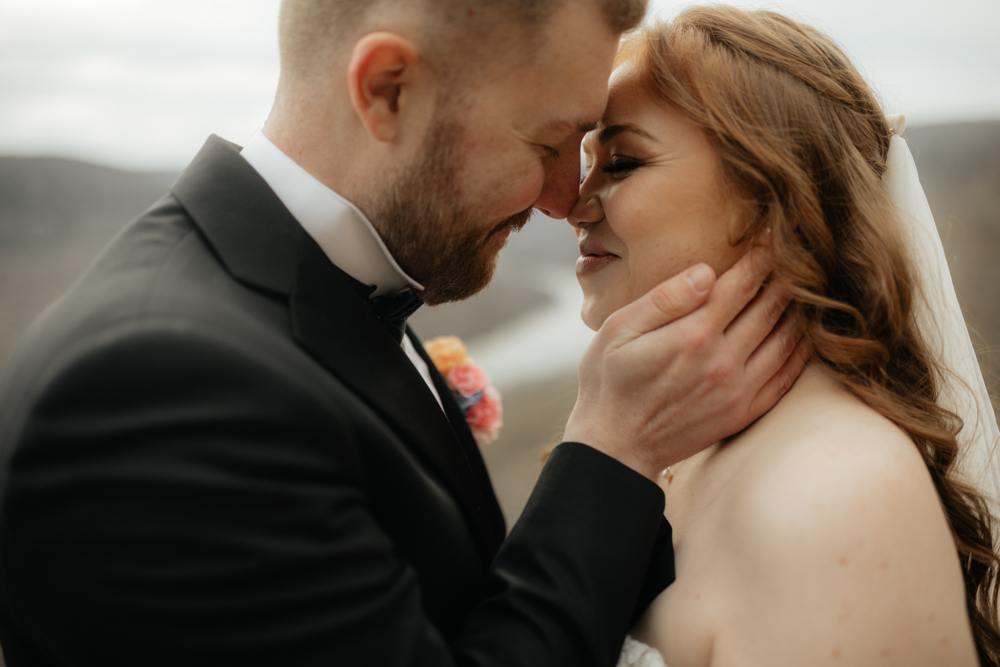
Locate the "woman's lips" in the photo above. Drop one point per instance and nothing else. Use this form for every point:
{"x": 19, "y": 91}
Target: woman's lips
{"x": 593, "y": 258}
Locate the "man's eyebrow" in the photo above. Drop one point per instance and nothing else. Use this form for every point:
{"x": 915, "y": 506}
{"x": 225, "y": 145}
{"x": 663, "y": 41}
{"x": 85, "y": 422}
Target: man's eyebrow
{"x": 611, "y": 131}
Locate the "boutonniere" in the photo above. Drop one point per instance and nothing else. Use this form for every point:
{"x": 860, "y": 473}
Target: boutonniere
{"x": 470, "y": 385}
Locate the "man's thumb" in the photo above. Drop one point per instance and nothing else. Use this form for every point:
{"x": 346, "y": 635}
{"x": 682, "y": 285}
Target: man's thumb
{"x": 668, "y": 301}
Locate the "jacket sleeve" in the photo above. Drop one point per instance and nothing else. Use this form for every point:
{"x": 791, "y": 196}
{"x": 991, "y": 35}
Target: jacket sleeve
{"x": 175, "y": 498}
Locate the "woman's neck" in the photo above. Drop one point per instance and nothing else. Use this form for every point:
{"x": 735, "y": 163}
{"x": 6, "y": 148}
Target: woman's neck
{"x": 813, "y": 381}
{"x": 697, "y": 479}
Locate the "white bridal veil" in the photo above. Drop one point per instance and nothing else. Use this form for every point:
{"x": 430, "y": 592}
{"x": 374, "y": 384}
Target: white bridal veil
{"x": 940, "y": 319}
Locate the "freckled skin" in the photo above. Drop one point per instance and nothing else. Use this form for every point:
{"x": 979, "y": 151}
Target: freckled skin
{"x": 815, "y": 531}
{"x": 817, "y": 528}
{"x": 659, "y": 218}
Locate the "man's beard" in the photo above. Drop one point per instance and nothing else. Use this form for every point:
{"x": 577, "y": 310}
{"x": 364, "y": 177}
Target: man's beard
{"x": 431, "y": 234}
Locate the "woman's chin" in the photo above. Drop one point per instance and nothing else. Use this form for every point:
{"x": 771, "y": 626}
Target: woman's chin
{"x": 592, "y": 315}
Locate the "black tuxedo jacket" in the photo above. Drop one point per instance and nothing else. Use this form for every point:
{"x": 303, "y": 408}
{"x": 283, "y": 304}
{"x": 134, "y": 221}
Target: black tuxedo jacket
{"x": 214, "y": 453}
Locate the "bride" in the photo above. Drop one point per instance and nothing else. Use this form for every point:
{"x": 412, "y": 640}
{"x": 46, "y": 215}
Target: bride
{"x": 842, "y": 527}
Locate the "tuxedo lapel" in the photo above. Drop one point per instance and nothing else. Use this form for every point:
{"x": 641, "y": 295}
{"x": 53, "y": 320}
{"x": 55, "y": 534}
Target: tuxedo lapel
{"x": 465, "y": 437}
{"x": 336, "y": 326}
{"x": 254, "y": 235}
{"x": 262, "y": 244}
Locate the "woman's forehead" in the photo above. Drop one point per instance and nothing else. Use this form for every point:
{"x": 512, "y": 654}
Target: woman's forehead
{"x": 623, "y": 72}
{"x": 626, "y": 94}
{"x": 626, "y": 103}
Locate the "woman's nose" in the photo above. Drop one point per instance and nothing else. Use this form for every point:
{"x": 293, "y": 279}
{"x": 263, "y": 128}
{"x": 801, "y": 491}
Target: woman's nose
{"x": 587, "y": 208}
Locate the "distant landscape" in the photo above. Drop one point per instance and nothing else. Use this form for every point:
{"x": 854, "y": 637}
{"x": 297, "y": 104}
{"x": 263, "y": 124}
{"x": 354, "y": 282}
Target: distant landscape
{"x": 960, "y": 170}
{"x": 56, "y": 215}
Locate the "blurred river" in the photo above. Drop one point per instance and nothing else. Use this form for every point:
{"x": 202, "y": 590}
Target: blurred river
{"x": 541, "y": 343}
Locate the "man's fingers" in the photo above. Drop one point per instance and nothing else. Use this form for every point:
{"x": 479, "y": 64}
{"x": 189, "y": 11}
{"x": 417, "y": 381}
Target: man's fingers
{"x": 781, "y": 381}
{"x": 771, "y": 357}
{"x": 737, "y": 286}
{"x": 668, "y": 301}
{"x": 757, "y": 321}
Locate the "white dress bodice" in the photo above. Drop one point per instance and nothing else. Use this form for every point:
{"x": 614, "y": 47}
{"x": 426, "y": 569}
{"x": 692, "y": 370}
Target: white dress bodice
{"x": 637, "y": 654}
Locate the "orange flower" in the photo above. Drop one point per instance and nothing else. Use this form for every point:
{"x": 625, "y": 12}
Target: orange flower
{"x": 470, "y": 387}
{"x": 446, "y": 352}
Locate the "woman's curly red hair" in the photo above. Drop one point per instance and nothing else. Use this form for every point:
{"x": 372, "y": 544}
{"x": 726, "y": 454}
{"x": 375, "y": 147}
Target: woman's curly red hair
{"x": 803, "y": 144}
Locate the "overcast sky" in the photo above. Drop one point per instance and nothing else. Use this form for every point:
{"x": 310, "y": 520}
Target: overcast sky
{"x": 142, "y": 83}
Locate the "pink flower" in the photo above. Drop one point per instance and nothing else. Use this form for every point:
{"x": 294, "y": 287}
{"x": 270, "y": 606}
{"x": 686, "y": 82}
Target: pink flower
{"x": 470, "y": 387}
{"x": 486, "y": 417}
{"x": 468, "y": 379}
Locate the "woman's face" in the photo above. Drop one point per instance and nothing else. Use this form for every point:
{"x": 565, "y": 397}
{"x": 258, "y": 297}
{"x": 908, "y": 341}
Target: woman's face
{"x": 652, "y": 204}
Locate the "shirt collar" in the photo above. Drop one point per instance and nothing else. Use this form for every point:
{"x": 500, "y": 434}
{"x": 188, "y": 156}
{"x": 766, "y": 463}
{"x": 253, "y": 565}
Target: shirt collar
{"x": 340, "y": 229}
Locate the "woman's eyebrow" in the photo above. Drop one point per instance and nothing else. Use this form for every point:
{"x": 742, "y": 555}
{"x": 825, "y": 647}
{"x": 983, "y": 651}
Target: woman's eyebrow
{"x": 611, "y": 131}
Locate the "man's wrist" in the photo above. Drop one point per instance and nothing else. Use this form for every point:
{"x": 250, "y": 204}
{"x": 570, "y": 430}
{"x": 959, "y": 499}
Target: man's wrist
{"x": 610, "y": 465}
{"x": 634, "y": 463}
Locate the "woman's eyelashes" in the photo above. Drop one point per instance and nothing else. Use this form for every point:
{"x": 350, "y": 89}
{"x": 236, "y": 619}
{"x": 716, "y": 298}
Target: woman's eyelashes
{"x": 620, "y": 166}
{"x": 617, "y": 169}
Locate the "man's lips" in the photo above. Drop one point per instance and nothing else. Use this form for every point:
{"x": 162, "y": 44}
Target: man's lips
{"x": 593, "y": 258}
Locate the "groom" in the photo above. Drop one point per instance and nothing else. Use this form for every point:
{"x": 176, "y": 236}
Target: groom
{"x": 222, "y": 446}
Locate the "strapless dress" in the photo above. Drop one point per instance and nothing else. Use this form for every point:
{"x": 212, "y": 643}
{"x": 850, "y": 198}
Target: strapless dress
{"x": 637, "y": 654}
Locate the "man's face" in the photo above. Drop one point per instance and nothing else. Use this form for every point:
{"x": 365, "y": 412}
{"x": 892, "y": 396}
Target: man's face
{"x": 493, "y": 153}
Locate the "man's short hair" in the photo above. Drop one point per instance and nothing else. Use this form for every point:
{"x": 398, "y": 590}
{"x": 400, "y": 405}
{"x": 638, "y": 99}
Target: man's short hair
{"x": 312, "y": 31}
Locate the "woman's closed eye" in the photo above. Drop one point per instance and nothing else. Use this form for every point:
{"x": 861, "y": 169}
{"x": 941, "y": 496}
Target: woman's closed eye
{"x": 620, "y": 166}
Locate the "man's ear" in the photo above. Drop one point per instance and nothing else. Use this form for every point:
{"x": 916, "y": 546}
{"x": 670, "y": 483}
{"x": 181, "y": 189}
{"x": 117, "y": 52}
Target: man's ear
{"x": 382, "y": 65}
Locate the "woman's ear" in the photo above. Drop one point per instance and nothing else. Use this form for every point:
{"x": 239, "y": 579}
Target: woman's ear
{"x": 381, "y": 68}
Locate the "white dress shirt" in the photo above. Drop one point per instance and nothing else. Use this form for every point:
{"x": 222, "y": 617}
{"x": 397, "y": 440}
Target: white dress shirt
{"x": 339, "y": 228}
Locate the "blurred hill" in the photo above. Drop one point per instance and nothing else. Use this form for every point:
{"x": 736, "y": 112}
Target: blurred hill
{"x": 56, "y": 215}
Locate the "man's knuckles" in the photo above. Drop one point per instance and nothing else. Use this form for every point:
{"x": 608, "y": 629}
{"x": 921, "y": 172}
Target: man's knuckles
{"x": 777, "y": 302}
{"x": 696, "y": 337}
{"x": 788, "y": 338}
{"x": 760, "y": 263}
{"x": 721, "y": 372}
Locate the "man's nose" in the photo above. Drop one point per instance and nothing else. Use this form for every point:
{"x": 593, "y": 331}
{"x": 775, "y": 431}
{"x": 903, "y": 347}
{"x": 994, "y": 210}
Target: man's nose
{"x": 562, "y": 185}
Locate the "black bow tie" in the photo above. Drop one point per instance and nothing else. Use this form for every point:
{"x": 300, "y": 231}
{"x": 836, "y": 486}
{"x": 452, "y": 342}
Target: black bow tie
{"x": 393, "y": 309}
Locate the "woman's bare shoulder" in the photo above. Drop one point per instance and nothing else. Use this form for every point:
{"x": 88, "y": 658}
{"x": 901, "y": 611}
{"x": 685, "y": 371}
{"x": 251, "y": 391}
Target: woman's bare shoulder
{"x": 837, "y": 541}
{"x": 825, "y": 451}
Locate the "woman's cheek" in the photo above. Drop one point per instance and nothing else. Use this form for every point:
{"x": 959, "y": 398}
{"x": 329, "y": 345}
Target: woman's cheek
{"x": 639, "y": 230}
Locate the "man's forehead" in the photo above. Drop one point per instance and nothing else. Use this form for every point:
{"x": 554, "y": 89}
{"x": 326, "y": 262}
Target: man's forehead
{"x": 565, "y": 86}
{"x": 570, "y": 126}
